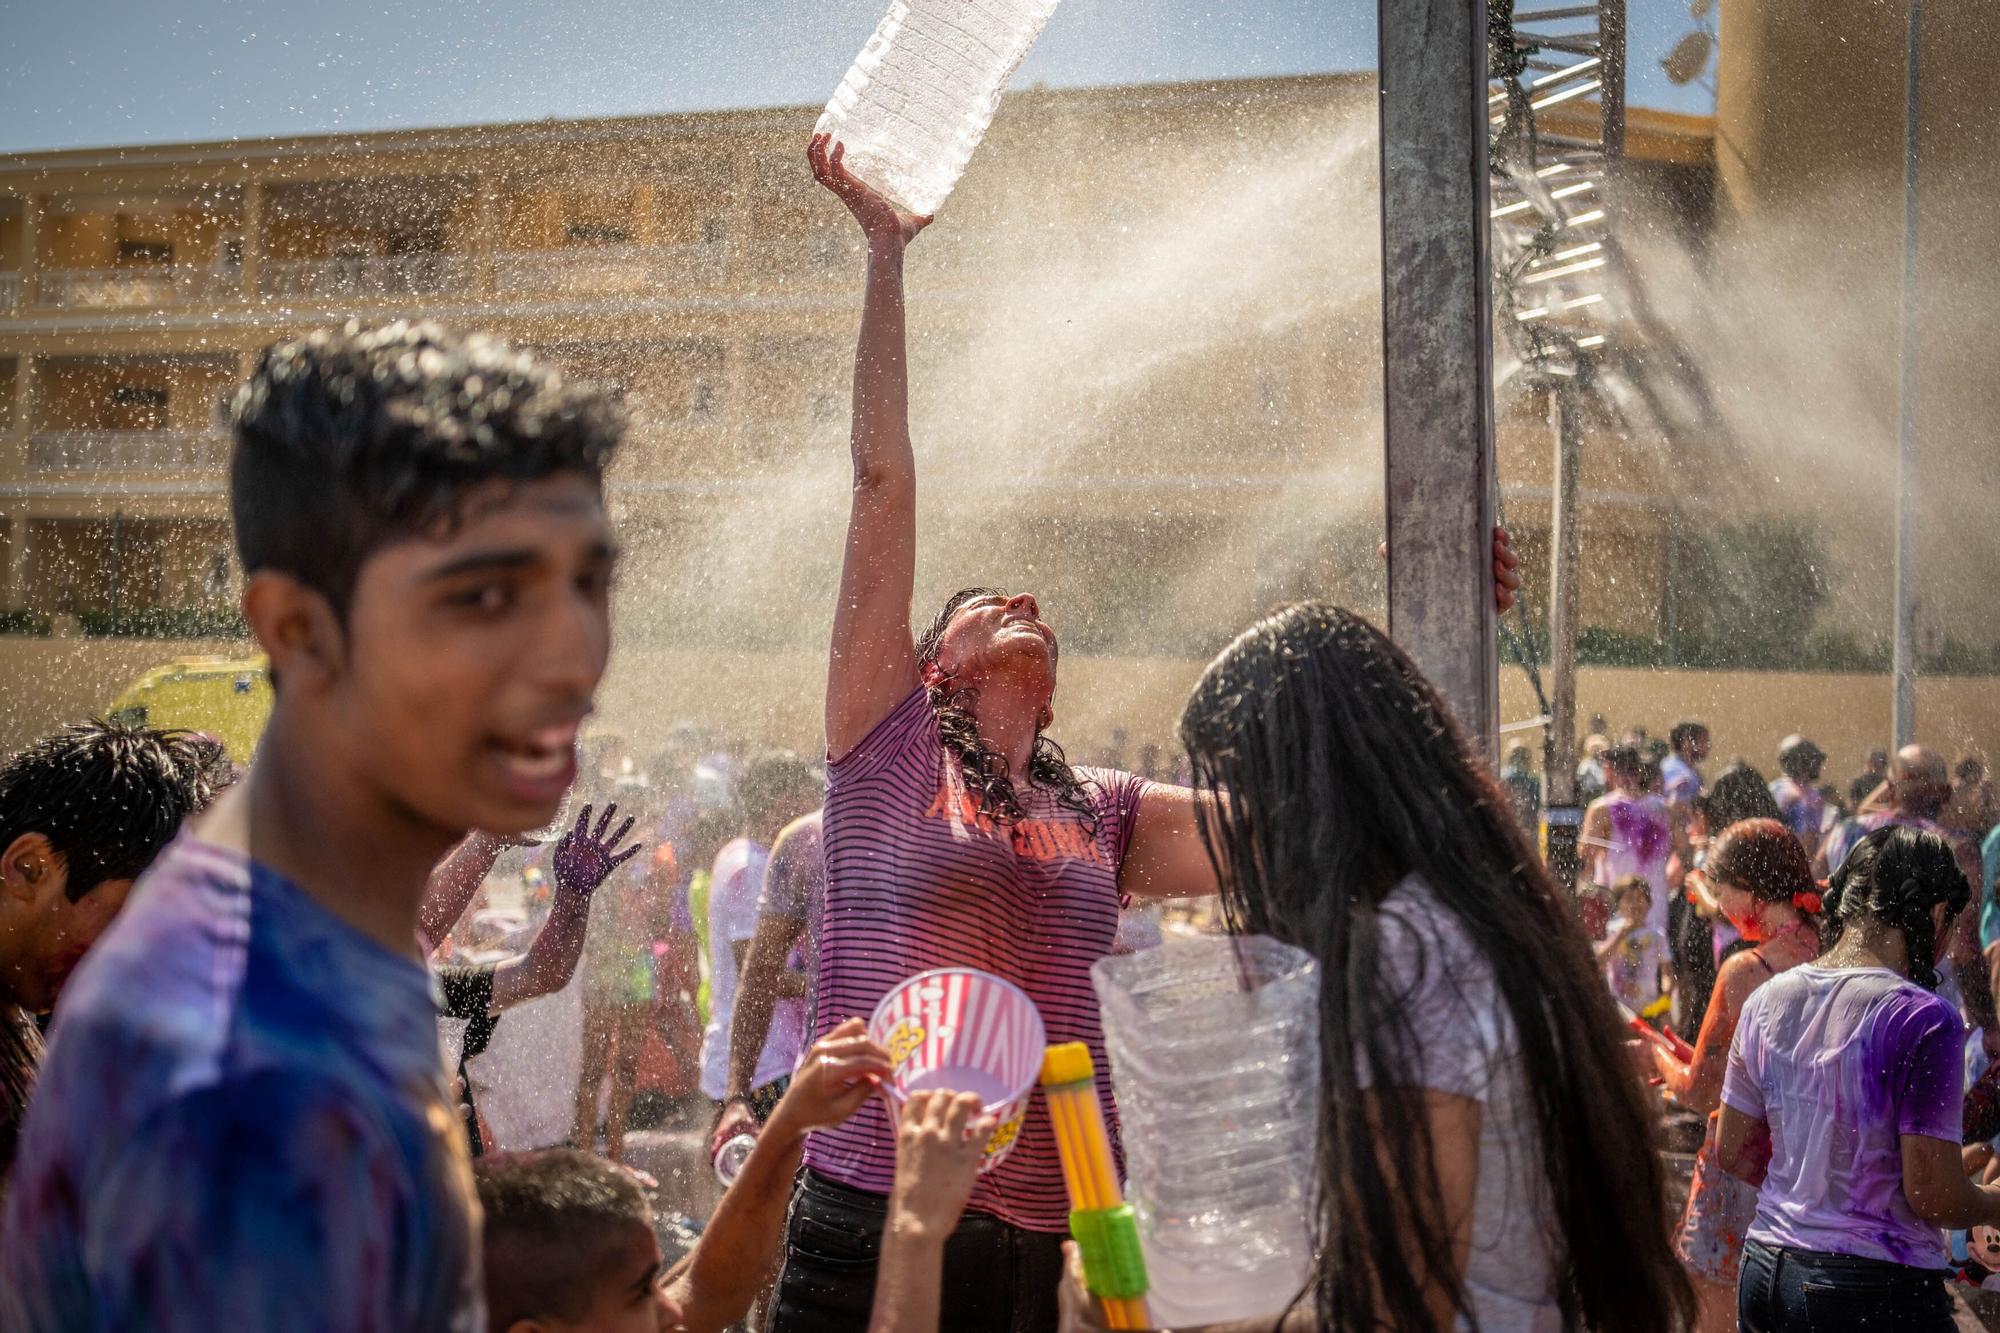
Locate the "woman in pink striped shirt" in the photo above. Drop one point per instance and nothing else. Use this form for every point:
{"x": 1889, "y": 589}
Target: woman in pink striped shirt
{"x": 955, "y": 833}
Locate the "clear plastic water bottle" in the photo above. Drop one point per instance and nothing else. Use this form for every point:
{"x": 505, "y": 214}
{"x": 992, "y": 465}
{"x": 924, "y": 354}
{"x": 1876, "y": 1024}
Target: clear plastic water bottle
{"x": 731, "y": 1156}
{"x": 1214, "y": 1047}
{"x": 923, "y": 90}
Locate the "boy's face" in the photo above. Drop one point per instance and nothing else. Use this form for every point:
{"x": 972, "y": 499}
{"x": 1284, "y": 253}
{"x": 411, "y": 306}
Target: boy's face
{"x": 632, "y": 1298}
{"x": 45, "y": 934}
{"x": 471, "y": 659}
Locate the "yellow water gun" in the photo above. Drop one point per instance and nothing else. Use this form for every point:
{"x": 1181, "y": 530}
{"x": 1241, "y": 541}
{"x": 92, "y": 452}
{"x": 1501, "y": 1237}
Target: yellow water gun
{"x": 1113, "y": 1267}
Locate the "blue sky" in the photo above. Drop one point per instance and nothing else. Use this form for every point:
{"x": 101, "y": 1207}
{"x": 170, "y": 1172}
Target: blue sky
{"x": 79, "y": 73}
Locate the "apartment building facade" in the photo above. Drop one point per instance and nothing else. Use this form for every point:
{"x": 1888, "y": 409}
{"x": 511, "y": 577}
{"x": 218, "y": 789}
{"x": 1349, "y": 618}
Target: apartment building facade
{"x": 1222, "y": 318}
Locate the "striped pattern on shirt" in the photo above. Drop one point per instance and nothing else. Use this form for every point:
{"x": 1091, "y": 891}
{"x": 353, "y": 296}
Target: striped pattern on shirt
{"x": 916, "y": 879}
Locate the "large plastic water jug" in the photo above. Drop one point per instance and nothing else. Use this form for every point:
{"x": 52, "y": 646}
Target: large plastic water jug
{"x": 923, "y": 90}
{"x": 1214, "y": 1047}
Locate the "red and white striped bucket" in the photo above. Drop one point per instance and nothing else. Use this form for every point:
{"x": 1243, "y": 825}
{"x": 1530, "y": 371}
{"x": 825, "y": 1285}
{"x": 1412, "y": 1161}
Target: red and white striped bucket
{"x": 962, "y": 1030}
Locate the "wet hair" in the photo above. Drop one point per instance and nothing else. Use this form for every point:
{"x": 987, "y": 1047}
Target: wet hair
{"x": 1764, "y": 859}
{"x": 108, "y": 797}
{"x": 773, "y": 780}
{"x": 1632, "y": 884}
{"x": 1895, "y": 876}
{"x": 1623, "y": 759}
{"x": 556, "y": 1223}
{"x": 1683, "y": 731}
{"x": 351, "y": 439}
{"x": 1329, "y": 769}
{"x": 984, "y": 767}
{"x": 1739, "y": 792}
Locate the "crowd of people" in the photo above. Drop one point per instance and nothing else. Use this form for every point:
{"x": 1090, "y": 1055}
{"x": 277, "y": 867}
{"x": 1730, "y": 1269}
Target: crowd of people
{"x": 266, "y": 1102}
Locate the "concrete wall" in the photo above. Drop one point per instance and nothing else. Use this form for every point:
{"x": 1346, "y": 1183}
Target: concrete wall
{"x": 775, "y": 699}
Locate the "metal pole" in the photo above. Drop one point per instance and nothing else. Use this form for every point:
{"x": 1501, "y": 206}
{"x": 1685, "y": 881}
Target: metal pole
{"x": 1904, "y": 664}
{"x": 1437, "y": 373}
{"x": 1559, "y": 745}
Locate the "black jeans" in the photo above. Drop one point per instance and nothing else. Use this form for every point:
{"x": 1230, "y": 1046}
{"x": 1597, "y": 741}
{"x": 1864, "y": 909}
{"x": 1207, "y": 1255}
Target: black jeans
{"x": 1783, "y": 1290}
{"x": 997, "y": 1278}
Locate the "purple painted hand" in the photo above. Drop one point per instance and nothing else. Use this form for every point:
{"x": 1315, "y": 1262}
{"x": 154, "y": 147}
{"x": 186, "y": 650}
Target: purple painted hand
{"x": 585, "y": 859}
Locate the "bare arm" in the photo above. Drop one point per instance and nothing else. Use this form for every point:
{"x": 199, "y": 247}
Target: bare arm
{"x": 1166, "y": 858}
{"x": 764, "y": 981}
{"x": 452, "y": 885}
{"x": 1743, "y": 1145}
{"x": 716, "y": 1283}
{"x": 583, "y": 860}
{"x": 551, "y": 960}
{"x": 1697, "y": 1085}
{"x": 1935, "y": 1183}
{"x": 872, "y": 663}
{"x": 939, "y": 1145}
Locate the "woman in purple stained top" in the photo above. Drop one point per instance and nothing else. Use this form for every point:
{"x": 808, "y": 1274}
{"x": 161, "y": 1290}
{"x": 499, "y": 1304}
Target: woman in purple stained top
{"x": 1844, "y": 1099}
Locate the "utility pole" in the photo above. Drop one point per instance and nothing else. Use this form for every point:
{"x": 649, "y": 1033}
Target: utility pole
{"x": 1437, "y": 373}
{"x": 1904, "y": 663}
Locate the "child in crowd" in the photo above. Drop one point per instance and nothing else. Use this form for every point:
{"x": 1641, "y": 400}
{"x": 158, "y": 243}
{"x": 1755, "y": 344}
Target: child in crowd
{"x": 82, "y": 812}
{"x": 243, "y": 1120}
{"x": 570, "y": 1242}
{"x": 1634, "y": 951}
{"x": 1843, "y": 1101}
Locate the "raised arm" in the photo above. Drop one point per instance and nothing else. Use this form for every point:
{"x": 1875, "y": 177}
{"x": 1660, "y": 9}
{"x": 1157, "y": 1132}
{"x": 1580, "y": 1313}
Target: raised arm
{"x": 872, "y": 663}
{"x": 583, "y": 860}
{"x": 718, "y": 1280}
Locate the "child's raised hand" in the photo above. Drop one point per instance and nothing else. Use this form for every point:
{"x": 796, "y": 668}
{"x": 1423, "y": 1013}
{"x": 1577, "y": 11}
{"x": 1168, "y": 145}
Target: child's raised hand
{"x": 939, "y": 1145}
{"x": 842, "y": 1070}
{"x": 879, "y": 218}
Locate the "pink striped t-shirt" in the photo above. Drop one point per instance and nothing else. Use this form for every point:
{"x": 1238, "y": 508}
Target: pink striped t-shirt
{"x": 916, "y": 879}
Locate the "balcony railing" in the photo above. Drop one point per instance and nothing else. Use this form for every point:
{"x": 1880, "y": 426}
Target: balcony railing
{"x": 589, "y": 270}
{"x": 101, "y": 288}
{"x": 10, "y": 290}
{"x": 128, "y": 451}
{"x": 372, "y": 276}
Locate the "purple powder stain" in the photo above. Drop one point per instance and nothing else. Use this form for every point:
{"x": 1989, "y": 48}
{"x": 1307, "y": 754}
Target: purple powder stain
{"x": 1636, "y": 830}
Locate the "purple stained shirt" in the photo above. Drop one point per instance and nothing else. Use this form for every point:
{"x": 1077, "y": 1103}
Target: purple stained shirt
{"x": 1842, "y": 1062}
{"x": 917, "y": 879}
{"x": 241, "y": 1123}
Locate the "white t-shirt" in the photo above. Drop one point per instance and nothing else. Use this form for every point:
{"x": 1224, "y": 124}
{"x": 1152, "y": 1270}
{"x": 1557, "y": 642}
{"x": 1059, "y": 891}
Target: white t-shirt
{"x": 733, "y": 889}
{"x": 1469, "y": 1049}
{"x": 1842, "y": 1063}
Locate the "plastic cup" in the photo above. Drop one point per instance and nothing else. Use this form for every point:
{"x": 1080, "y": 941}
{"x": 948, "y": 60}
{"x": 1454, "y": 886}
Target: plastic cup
{"x": 958, "y": 1029}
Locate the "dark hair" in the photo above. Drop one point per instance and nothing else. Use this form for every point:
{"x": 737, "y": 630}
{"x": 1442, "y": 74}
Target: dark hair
{"x": 1329, "y": 769}
{"x": 984, "y": 767}
{"x": 1738, "y": 793}
{"x": 771, "y": 780}
{"x": 349, "y": 439}
{"x": 1896, "y": 875}
{"x": 1684, "y": 731}
{"x": 1623, "y": 759}
{"x": 1632, "y": 884}
{"x": 108, "y": 797}
{"x": 555, "y": 1222}
{"x": 1764, "y": 859}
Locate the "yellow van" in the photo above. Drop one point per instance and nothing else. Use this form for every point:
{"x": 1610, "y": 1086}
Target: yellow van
{"x": 227, "y": 697}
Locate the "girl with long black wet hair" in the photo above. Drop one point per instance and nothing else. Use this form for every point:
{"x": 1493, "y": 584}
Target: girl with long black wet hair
{"x": 1486, "y": 1156}
{"x": 1844, "y": 1100}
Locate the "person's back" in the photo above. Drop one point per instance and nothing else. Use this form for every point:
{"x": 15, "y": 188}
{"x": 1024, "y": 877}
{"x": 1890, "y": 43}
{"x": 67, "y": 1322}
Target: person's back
{"x": 1844, "y": 1062}
{"x": 277, "y": 1040}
